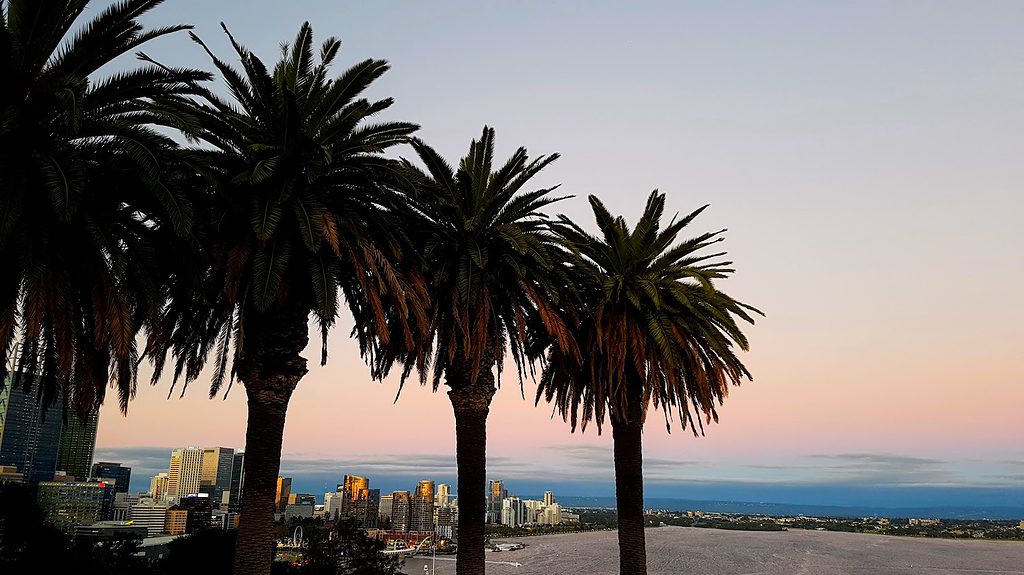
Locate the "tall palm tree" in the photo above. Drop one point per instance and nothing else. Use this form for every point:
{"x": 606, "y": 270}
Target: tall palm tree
{"x": 658, "y": 333}
{"x": 486, "y": 252}
{"x": 288, "y": 173}
{"x": 88, "y": 204}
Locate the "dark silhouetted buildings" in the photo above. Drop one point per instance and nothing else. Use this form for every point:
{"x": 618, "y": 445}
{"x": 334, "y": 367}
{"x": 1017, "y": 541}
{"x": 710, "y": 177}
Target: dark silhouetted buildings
{"x": 121, "y": 474}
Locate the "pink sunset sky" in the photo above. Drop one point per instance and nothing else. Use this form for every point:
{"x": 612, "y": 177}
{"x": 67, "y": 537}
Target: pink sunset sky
{"x": 866, "y": 158}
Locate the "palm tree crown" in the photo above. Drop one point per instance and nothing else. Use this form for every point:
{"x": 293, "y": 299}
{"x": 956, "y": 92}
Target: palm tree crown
{"x": 487, "y": 251}
{"x": 87, "y": 201}
{"x": 294, "y": 210}
{"x": 656, "y": 328}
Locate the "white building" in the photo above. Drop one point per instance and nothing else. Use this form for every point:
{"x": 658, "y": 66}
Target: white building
{"x": 513, "y": 512}
{"x": 158, "y": 487}
{"x": 443, "y": 496}
{"x": 149, "y": 514}
{"x": 550, "y": 515}
{"x": 332, "y": 504}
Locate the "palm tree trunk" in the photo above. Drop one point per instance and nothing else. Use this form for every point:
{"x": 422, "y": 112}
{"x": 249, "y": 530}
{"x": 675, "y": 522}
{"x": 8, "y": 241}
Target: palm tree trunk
{"x": 627, "y": 437}
{"x": 471, "y": 404}
{"x": 270, "y": 367}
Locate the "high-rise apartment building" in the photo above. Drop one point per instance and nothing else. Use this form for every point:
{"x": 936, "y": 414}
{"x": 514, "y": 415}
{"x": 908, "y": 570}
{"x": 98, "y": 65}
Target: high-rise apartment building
{"x": 332, "y": 504}
{"x": 421, "y": 508}
{"x": 400, "y": 507}
{"x": 121, "y": 474}
{"x": 513, "y": 512}
{"x": 216, "y": 472}
{"x": 549, "y": 498}
{"x": 284, "y": 491}
{"x": 237, "y": 481}
{"x": 67, "y": 505}
{"x": 158, "y": 487}
{"x": 29, "y": 434}
{"x": 359, "y": 501}
{"x": 496, "y": 494}
{"x": 550, "y": 515}
{"x": 185, "y": 474}
{"x": 352, "y": 489}
{"x": 443, "y": 497}
{"x": 447, "y": 520}
{"x": 534, "y": 508}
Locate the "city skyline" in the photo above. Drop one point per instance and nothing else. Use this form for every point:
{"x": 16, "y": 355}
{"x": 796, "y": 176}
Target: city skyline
{"x": 868, "y": 180}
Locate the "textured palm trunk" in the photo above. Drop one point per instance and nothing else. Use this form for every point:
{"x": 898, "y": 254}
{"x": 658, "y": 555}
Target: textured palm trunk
{"x": 270, "y": 368}
{"x": 471, "y": 404}
{"x": 627, "y": 437}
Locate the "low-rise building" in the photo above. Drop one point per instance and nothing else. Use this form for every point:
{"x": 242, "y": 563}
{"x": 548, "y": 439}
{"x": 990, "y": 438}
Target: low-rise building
{"x": 149, "y": 514}
{"x": 297, "y": 510}
{"x": 200, "y": 511}
{"x": 107, "y": 530}
{"x": 175, "y": 521}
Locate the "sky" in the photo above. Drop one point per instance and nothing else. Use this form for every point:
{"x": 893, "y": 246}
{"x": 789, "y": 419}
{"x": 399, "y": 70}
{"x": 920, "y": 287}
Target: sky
{"x": 866, "y": 158}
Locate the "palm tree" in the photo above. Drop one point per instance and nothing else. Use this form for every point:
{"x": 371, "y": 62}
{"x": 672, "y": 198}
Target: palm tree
{"x": 487, "y": 253}
{"x": 87, "y": 201}
{"x": 293, "y": 213}
{"x": 657, "y": 333}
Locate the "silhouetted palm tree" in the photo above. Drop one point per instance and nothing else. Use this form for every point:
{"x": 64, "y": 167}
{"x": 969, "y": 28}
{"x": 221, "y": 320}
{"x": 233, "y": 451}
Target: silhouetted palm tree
{"x": 288, "y": 173}
{"x": 656, "y": 332}
{"x": 87, "y": 201}
{"x": 486, "y": 252}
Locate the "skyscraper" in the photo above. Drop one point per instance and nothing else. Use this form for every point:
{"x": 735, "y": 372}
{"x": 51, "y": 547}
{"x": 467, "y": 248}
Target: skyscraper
{"x": 549, "y": 498}
{"x": 77, "y": 443}
{"x": 121, "y": 475}
{"x": 421, "y": 508}
{"x": 359, "y": 501}
{"x": 29, "y": 434}
{"x": 185, "y": 474}
{"x": 237, "y": 481}
{"x": 216, "y": 472}
{"x": 284, "y": 491}
{"x": 400, "y": 511}
{"x": 496, "y": 495}
{"x": 352, "y": 489}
